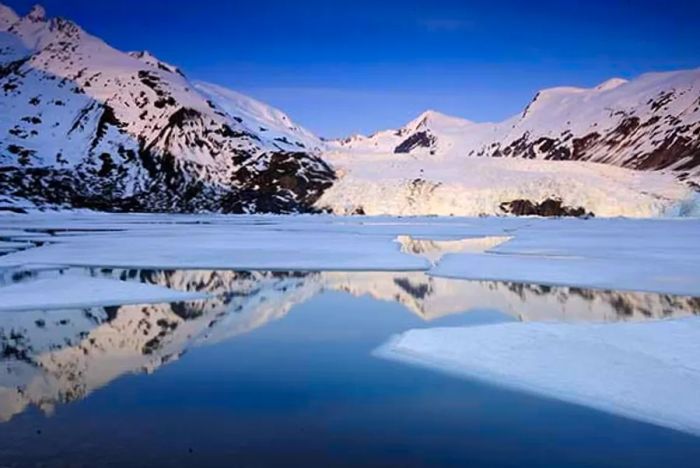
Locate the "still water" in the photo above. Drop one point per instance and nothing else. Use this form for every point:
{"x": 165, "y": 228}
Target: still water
{"x": 278, "y": 369}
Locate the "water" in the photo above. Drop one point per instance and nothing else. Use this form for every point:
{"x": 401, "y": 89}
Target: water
{"x": 277, "y": 368}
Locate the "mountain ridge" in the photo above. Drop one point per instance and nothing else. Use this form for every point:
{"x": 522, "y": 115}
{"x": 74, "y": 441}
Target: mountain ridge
{"x": 648, "y": 123}
{"x": 86, "y": 125}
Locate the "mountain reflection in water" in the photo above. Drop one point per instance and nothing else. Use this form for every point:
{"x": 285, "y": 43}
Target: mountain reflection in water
{"x": 53, "y": 357}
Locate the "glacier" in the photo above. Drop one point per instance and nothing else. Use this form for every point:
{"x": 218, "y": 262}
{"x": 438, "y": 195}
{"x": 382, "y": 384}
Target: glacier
{"x": 425, "y": 184}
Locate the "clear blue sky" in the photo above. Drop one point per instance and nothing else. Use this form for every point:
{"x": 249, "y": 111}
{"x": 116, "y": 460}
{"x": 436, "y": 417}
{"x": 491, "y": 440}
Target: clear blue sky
{"x": 340, "y": 67}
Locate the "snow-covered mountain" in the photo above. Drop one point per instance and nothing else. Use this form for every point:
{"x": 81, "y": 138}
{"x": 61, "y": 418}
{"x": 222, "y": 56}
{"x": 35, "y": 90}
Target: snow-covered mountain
{"x": 557, "y": 157}
{"x": 651, "y": 122}
{"x": 430, "y": 133}
{"x": 85, "y": 125}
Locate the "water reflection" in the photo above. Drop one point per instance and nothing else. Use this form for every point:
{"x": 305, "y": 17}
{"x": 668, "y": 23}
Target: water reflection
{"x": 53, "y": 357}
{"x": 434, "y": 249}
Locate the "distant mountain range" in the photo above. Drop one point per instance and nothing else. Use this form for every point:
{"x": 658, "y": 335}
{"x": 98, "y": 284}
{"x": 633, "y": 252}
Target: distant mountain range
{"x": 652, "y": 122}
{"x": 83, "y": 125}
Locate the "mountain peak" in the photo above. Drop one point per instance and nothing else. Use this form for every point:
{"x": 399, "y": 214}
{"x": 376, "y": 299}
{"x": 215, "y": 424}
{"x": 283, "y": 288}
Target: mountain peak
{"x": 120, "y": 127}
{"x": 37, "y": 14}
{"x": 612, "y": 83}
{"x": 431, "y": 118}
{"x": 432, "y": 114}
{"x": 8, "y": 17}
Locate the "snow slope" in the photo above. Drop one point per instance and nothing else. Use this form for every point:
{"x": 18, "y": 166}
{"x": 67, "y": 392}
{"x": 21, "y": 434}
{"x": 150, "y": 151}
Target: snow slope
{"x": 645, "y": 371}
{"x": 85, "y": 125}
{"x": 272, "y": 124}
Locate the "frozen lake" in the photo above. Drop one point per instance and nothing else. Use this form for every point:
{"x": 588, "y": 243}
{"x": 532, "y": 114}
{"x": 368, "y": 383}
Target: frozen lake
{"x": 181, "y": 340}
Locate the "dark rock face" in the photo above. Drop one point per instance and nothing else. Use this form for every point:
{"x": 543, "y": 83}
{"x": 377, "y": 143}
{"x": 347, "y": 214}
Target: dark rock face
{"x": 549, "y": 208}
{"x": 417, "y": 140}
{"x": 289, "y": 185}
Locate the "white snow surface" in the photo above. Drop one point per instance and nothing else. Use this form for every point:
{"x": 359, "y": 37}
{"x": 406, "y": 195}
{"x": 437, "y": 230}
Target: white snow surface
{"x": 620, "y": 254}
{"x": 644, "y": 371}
{"x": 81, "y": 291}
{"x": 261, "y": 118}
{"x": 406, "y": 184}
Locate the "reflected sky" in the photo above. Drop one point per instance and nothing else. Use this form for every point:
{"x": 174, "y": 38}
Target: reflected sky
{"x": 283, "y": 360}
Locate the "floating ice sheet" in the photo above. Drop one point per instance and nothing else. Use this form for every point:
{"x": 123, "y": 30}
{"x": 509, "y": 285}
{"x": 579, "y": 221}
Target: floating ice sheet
{"x": 679, "y": 277}
{"x": 82, "y": 291}
{"x": 646, "y": 371}
{"x": 639, "y": 255}
{"x": 237, "y": 242}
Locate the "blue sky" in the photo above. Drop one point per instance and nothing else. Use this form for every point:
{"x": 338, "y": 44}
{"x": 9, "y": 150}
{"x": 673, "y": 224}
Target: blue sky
{"x": 342, "y": 67}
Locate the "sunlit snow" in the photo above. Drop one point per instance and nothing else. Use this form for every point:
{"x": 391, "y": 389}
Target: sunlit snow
{"x": 647, "y": 371}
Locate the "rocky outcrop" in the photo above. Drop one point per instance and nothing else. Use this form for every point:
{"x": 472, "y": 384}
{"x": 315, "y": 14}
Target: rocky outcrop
{"x": 417, "y": 140}
{"x": 549, "y": 207}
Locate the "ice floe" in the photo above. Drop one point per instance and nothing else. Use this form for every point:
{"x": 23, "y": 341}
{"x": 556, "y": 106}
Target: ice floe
{"x": 645, "y": 371}
{"x": 76, "y": 291}
{"x": 638, "y": 255}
